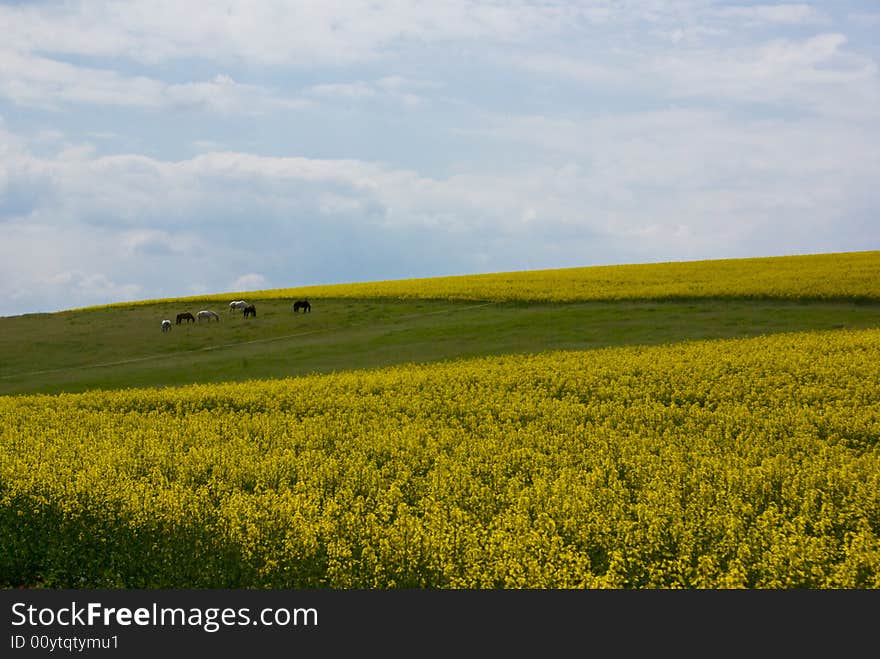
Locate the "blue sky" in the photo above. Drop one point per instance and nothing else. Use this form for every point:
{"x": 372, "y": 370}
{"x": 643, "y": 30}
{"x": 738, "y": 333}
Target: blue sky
{"x": 167, "y": 148}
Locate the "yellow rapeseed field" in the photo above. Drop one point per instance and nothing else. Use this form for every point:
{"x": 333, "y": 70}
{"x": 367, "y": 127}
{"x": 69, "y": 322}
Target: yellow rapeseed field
{"x": 842, "y": 276}
{"x": 739, "y": 463}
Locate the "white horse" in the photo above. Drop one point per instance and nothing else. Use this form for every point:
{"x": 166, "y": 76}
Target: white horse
{"x": 207, "y": 315}
{"x": 235, "y": 305}
{"x": 166, "y": 325}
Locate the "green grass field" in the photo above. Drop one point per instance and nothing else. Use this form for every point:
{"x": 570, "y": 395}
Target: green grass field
{"x": 123, "y": 346}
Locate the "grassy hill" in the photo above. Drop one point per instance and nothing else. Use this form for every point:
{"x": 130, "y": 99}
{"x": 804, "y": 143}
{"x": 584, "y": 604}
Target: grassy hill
{"x": 425, "y": 320}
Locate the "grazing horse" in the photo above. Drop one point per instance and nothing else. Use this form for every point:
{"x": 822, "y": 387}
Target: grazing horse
{"x": 208, "y": 315}
{"x": 235, "y": 305}
{"x": 250, "y": 310}
{"x": 166, "y": 325}
{"x": 187, "y": 316}
{"x": 302, "y": 304}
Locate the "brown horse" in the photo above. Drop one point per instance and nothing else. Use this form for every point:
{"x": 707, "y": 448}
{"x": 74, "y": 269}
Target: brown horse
{"x": 187, "y": 316}
{"x": 302, "y": 304}
{"x": 250, "y": 310}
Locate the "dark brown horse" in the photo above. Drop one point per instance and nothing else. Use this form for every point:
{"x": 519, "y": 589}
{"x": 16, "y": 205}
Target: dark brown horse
{"x": 302, "y": 304}
{"x": 187, "y": 316}
{"x": 250, "y": 310}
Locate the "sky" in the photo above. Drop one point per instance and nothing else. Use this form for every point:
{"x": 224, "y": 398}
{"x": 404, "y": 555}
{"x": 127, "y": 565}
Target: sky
{"x": 165, "y": 148}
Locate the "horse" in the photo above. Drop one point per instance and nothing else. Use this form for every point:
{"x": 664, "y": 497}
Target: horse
{"x": 302, "y": 304}
{"x": 235, "y": 305}
{"x": 187, "y": 316}
{"x": 166, "y": 325}
{"x": 250, "y": 310}
{"x": 208, "y": 315}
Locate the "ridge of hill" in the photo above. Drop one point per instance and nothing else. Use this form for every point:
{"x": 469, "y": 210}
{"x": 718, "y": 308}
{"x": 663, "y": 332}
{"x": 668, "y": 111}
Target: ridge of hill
{"x": 377, "y": 324}
{"x": 831, "y": 276}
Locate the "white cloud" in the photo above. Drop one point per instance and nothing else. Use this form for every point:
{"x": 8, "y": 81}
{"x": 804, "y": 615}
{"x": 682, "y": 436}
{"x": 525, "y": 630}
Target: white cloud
{"x": 820, "y": 73}
{"x": 398, "y": 89}
{"x": 799, "y": 13}
{"x": 815, "y": 74}
{"x": 581, "y": 69}
{"x": 41, "y": 82}
{"x": 273, "y": 33}
{"x": 50, "y": 267}
{"x": 88, "y": 286}
{"x": 702, "y": 179}
{"x": 346, "y": 90}
{"x": 251, "y": 281}
{"x": 141, "y": 243}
